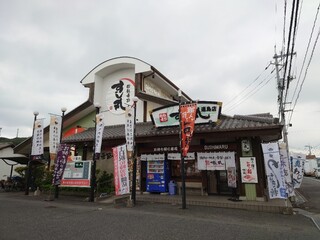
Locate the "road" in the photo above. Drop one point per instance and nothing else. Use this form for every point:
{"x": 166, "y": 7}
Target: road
{"x": 30, "y": 217}
{"x": 310, "y": 189}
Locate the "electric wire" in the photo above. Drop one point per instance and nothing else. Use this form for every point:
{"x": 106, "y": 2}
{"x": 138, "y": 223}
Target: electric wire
{"x": 293, "y": 22}
{"x": 266, "y": 80}
{"x": 293, "y": 41}
{"x": 288, "y": 48}
{"x": 238, "y": 96}
{"x": 306, "y": 53}
{"x": 284, "y": 26}
{"x": 305, "y": 73}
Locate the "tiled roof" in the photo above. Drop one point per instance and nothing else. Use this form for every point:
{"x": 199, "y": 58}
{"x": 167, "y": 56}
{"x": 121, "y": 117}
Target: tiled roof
{"x": 226, "y": 123}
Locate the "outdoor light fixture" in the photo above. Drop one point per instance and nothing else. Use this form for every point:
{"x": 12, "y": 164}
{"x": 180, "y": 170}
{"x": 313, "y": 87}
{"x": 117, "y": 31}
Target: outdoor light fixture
{"x": 63, "y": 109}
{"x": 135, "y": 99}
{"x": 97, "y": 105}
{"x": 179, "y": 93}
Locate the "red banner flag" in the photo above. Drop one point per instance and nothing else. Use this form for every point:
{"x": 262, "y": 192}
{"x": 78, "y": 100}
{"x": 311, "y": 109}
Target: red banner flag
{"x": 187, "y": 119}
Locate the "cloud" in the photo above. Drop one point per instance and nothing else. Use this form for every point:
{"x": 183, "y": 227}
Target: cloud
{"x": 213, "y": 50}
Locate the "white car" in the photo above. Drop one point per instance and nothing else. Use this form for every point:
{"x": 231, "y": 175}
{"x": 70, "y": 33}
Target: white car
{"x": 317, "y": 173}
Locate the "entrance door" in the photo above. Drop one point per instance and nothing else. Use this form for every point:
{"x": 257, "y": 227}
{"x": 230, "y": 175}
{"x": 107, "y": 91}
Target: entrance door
{"x": 223, "y": 183}
{"x": 212, "y": 182}
{"x": 218, "y": 183}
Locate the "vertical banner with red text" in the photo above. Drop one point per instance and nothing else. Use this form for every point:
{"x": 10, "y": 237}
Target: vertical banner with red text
{"x": 248, "y": 168}
{"x": 121, "y": 175}
{"x": 188, "y": 117}
{"x": 99, "y": 134}
{"x": 37, "y": 140}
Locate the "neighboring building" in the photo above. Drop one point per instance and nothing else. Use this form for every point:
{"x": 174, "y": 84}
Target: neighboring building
{"x": 234, "y": 140}
{"x": 8, "y": 159}
{"x": 310, "y": 165}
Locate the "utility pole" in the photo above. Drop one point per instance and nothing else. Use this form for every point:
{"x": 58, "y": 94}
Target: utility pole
{"x": 309, "y": 147}
{"x": 281, "y": 100}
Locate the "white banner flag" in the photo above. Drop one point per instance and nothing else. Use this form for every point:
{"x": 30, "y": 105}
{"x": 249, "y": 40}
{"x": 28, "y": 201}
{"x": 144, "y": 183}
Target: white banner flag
{"x": 232, "y": 177}
{"x": 215, "y": 160}
{"x": 177, "y": 156}
{"x": 37, "y": 139}
{"x": 54, "y": 133}
{"x": 205, "y": 161}
{"x": 99, "y": 132}
{"x": 274, "y": 171}
{"x": 121, "y": 174}
{"x": 129, "y": 128}
{"x": 297, "y": 168}
{"x": 286, "y": 168}
{"x": 229, "y": 158}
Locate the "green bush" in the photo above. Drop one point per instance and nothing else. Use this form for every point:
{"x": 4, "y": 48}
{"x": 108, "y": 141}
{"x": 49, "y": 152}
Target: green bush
{"x": 42, "y": 178}
{"x": 104, "y": 182}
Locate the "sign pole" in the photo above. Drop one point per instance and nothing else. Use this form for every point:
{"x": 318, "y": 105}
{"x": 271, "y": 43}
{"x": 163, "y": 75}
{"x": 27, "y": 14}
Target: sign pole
{"x": 183, "y": 177}
{"x": 56, "y": 187}
{"x": 134, "y": 168}
{"x": 94, "y": 164}
{"x": 28, "y": 175}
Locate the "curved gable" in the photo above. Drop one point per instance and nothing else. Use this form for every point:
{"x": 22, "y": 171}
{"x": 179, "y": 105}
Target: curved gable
{"x": 115, "y": 64}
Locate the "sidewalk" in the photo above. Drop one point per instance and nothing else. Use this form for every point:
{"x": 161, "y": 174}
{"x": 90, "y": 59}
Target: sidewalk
{"x": 272, "y": 206}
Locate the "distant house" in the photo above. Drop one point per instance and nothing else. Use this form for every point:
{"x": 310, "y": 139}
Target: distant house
{"x": 8, "y": 159}
{"x": 232, "y": 140}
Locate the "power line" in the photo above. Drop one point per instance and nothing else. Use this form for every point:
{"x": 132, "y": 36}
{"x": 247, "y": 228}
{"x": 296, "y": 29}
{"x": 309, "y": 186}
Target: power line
{"x": 238, "y": 96}
{"x": 252, "y": 92}
{"x": 305, "y": 74}
{"x": 289, "y": 41}
{"x": 284, "y": 25}
{"x": 294, "y": 16}
{"x": 293, "y": 40}
{"x": 306, "y": 53}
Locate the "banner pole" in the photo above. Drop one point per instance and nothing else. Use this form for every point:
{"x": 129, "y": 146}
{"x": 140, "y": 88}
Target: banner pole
{"x": 56, "y": 188}
{"x": 134, "y": 154}
{"x": 28, "y": 175}
{"x": 183, "y": 179}
{"x": 94, "y": 164}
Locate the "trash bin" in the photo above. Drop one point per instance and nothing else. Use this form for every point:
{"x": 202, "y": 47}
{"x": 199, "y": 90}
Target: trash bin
{"x": 172, "y": 188}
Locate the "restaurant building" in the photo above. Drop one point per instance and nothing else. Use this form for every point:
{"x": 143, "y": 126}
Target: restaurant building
{"x": 225, "y": 155}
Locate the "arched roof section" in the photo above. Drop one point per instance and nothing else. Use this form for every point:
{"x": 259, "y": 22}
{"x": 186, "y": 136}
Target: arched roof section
{"x": 115, "y": 64}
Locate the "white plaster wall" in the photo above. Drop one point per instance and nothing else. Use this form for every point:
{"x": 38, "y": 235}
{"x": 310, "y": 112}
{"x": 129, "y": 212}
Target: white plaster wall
{"x": 103, "y": 85}
{"x": 150, "y": 107}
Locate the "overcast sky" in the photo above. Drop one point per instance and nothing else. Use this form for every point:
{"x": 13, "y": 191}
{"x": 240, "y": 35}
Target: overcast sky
{"x": 214, "y": 50}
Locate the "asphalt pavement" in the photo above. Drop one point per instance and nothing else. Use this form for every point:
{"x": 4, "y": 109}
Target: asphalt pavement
{"x": 301, "y": 201}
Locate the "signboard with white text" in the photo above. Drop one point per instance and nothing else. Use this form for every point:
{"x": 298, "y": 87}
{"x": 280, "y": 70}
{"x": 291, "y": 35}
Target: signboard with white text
{"x": 207, "y": 111}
